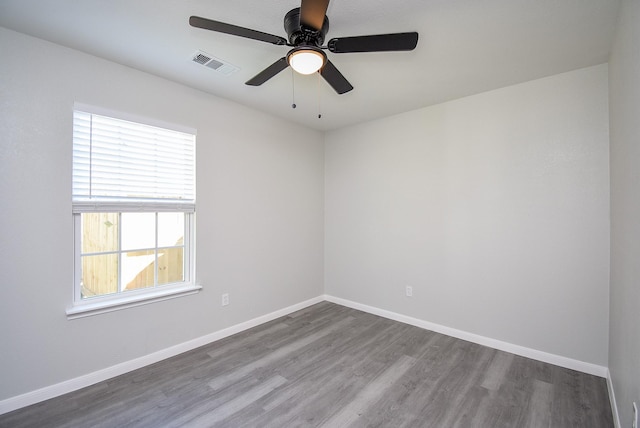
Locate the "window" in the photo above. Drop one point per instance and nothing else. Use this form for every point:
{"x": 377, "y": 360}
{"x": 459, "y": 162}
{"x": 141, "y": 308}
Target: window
{"x": 134, "y": 212}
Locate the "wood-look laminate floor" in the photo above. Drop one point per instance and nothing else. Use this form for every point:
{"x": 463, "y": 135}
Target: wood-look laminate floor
{"x": 332, "y": 366}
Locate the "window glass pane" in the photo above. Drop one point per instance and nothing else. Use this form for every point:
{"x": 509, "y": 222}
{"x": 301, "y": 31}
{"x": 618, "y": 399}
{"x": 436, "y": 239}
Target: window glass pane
{"x": 138, "y": 231}
{"x": 170, "y": 229}
{"x": 138, "y": 269}
{"x": 99, "y": 275}
{"x": 99, "y": 232}
{"x": 170, "y": 265}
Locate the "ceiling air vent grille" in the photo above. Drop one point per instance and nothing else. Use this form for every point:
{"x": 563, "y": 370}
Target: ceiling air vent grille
{"x": 214, "y": 63}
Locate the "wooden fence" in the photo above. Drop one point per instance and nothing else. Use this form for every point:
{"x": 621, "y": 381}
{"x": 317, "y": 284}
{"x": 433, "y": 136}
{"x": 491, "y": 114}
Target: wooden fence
{"x": 100, "y": 272}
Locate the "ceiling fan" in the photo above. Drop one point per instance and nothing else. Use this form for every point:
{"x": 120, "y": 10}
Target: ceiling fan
{"x": 306, "y": 27}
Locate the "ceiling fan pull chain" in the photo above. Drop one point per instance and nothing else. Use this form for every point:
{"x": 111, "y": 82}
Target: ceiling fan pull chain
{"x": 293, "y": 89}
{"x": 319, "y": 97}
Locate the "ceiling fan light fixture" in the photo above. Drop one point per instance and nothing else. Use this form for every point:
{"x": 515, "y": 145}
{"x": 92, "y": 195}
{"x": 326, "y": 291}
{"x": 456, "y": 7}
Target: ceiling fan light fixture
{"x": 306, "y": 60}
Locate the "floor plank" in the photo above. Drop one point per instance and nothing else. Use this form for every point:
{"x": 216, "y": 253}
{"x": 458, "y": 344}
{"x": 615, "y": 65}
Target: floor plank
{"x": 332, "y": 366}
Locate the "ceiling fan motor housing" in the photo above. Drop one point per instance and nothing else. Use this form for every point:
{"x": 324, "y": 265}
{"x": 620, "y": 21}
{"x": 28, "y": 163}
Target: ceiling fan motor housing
{"x": 300, "y": 34}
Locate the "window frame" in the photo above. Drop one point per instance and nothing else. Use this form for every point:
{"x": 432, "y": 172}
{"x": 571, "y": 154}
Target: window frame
{"x": 126, "y": 299}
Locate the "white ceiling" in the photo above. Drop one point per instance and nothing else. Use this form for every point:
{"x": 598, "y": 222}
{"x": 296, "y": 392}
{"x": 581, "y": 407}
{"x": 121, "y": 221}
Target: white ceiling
{"x": 465, "y": 47}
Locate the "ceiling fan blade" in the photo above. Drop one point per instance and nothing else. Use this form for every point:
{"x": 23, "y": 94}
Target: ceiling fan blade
{"x": 268, "y": 72}
{"x": 312, "y": 13}
{"x": 375, "y": 43}
{"x": 335, "y": 78}
{"x": 234, "y": 30}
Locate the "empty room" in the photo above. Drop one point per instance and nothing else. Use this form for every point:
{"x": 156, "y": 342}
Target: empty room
{"x": 314, "y": 213}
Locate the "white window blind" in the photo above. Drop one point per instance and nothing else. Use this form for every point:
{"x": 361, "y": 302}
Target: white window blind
{"x": 122, "y": 165}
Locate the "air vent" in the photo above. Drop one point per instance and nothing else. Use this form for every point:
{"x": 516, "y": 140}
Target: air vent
{"x": 214, "y": 63}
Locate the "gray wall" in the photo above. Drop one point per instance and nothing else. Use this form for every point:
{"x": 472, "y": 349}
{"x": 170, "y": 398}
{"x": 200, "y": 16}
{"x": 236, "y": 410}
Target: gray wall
{"x": 494, "y": 208}
{"x": 259, "y": 215}
{"x": 624, "y": 342}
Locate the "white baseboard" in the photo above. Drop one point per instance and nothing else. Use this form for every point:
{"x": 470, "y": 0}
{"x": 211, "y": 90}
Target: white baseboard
{"x": 534, "y": 354}
{"x": 612, "y": 399}
{"x": 71, "y": 385}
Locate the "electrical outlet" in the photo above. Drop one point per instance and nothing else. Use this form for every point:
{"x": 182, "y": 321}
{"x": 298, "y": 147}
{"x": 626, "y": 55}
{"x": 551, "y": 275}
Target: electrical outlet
{"x": 635, "y": 415}
{"x": 225, "y": 299}
{"x": 409, "y": 291}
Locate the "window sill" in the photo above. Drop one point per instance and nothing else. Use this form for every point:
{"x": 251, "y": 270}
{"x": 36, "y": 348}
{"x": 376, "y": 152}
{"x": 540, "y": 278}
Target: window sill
{"x": 90, "y": 308}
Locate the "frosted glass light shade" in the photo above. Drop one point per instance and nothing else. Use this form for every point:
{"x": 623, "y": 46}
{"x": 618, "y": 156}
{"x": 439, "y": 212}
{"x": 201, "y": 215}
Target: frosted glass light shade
{"x": 306, "y": 61}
